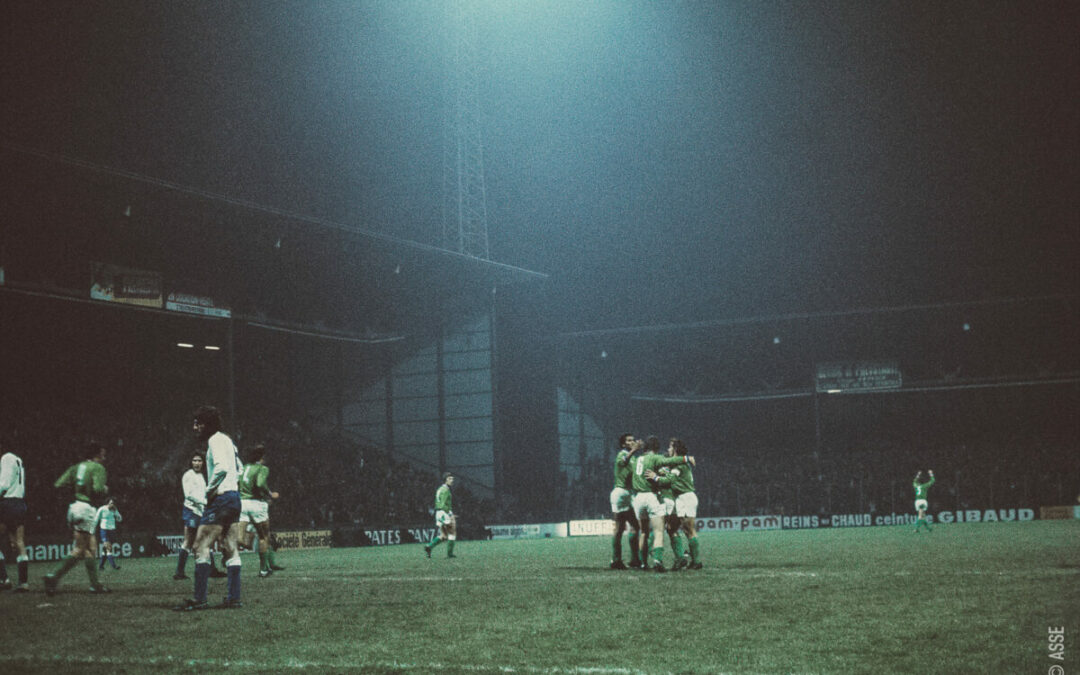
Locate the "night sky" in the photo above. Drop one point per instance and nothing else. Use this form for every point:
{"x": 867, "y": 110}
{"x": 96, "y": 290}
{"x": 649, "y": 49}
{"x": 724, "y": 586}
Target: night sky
{"x": 662, "y": 162}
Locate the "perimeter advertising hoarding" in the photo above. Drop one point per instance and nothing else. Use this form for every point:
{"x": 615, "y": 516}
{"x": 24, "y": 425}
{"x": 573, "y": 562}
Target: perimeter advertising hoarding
{"x": 113, "y": 283}
{"x": 125, "y": 545}
{"x": 302, "y": 539}
{"x": 533, "y": 531}
{"x": 857, "y": 376}
{"x": 585, "y": 528}
{"x": 1058, "y": 512}
{"x": 195, "y": 304}
{"x": 887, "y": 519}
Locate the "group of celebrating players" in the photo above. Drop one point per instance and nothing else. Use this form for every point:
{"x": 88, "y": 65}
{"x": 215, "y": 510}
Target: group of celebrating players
{"x": 654, "y": 493}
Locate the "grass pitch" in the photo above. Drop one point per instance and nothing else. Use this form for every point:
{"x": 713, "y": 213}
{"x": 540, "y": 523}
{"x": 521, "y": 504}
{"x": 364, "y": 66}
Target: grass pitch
{"x": 971, "y": 598}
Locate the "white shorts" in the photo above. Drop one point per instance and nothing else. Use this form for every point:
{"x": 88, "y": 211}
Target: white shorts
{"x": 669, "y": 506}
{"x": 81, "y": 517}
{"x": 443, "y": 518}
{"x": 686, "y": 505}
{"x": 647, "y": 505}
{"x": 254, "y": 511}
{"x": 921, "y": 504}
{"x": 621, "y": 500}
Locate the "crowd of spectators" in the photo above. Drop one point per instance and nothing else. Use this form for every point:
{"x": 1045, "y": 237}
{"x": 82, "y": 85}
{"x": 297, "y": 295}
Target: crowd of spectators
{"x": 325, "y": 479}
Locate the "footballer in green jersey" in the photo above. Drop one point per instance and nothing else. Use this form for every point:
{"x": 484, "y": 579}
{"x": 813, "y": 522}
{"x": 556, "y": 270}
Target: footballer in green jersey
{"x": 680, "y": 480}
{"x": 672, "y": 524}
{"x": 647, "y": 505}
{"x": 88, "y": 480}
{"x": 922, "y": 491}
{"x": 255, "y": 498}
{"x": 622, "y": 507}
{"x": 680, "y": 504}
{"x": 445, "y": 520}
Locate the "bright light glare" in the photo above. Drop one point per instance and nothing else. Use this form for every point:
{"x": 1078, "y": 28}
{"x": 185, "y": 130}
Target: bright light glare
{"x": 185, "y": 345}
{"x": 212, "y": 348}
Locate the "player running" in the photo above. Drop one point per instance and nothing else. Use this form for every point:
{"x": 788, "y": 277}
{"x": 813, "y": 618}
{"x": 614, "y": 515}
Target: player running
{"x": 255, "y": 499}
{"x": 445, "y": 521}
{"x": 622, "y": 507}
{"x": 922, "y": 490}
{"x": 88, "y": 479}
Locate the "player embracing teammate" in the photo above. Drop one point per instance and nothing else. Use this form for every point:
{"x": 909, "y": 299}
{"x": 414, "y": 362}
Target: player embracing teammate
{"x": 647, "y": 505}
{"x": 679, "y": 480}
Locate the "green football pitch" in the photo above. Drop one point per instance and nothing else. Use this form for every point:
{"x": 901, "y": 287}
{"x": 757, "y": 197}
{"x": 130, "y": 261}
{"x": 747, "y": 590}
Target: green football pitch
{"x": 971, "y": 598}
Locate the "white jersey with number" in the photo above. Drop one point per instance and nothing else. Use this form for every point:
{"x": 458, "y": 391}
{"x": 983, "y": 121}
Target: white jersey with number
{"x": 223, "y": 465}
{"x": 12, "y": 477}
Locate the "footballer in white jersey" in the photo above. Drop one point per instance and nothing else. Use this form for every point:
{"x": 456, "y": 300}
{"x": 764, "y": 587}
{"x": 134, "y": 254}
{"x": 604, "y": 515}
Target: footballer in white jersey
{"x": 13, "y": 518}
{"x": 221, "y": 517}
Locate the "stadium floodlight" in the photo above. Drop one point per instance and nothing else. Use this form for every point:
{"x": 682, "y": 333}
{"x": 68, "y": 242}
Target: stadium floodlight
{"x": 212, "y": 348}
{"x": 185, "y": 345}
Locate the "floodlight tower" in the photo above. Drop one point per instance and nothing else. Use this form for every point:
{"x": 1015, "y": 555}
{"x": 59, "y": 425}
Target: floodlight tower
{"x": 464, "y": 216}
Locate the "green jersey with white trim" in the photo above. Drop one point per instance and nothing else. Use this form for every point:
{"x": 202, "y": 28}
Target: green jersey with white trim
{"x": 680, "y": 479}
{"x": 654, "y": 462}
{"x": 923, "y": 489}
{"x": 623, "y": 470}
{"x": 443, "y": 499}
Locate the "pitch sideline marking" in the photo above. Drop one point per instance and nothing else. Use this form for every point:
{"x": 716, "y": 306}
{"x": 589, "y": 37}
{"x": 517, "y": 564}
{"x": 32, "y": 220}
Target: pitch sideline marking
{"x": 730, "y": 572}
{"x": 300, "y": 665}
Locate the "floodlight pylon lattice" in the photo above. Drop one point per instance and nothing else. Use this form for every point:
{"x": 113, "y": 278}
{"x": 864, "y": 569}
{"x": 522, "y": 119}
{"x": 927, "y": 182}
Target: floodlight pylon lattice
{"x": 464, "y": 212}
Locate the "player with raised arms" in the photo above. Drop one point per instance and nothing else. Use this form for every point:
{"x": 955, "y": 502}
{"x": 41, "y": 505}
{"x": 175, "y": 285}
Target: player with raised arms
{"x": 922, "y": 491}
